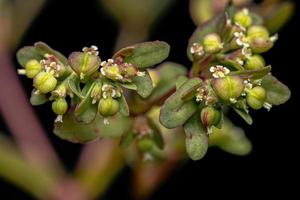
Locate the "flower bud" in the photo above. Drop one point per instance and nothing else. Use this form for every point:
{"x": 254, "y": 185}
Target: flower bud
{"x": 44, "y": 82}
{"x": 210, "y": 116}
{"x": 60, "y": 91}
{"x": 256, "y": 97}
{"x": 145, "y": 144}
{"x": 108, "y": 107}
{"x": 212, "y": 43}
{"x": 32, "y": 67}
{"x": 243, "y": 18}
{"x": 60, "y": 106}
{"x": 255, "y": 62}
{"x": 260, "y": 45}
{"x": 229, "y": 87}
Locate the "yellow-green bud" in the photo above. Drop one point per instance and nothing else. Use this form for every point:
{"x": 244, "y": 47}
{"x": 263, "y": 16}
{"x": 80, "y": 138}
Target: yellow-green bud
{"x": 210, "y": 116}
{"x": 243, "y": 18}
{"x": 108, "y": 107}
{"x": 255, "y": 62}
{"x": 32, "y": 67}
{"x": 44, "y": 82}
{"x": 260, "y": 45}
{"x": 229, "y": 87}
{"x": 145, "y": 144}
{"x": 257, "y": 31}
{"x": 60, "y": 106}
{"x": 212, "y": 43}
{"x": 256, "y": 97}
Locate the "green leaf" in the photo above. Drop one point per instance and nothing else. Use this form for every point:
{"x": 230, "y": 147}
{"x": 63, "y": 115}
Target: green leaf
{"x": 43, "y": 49}
{"x": 156, "y": 134}
{"x": 28, "y": 53}
{"x": 279, "y": 16}
{"x": 144, "y": 54}
{"x": 244, "y": 115}
{"x": 76, "y": 132}
{"x": 212, "y": 26}
{"x": 38, "y": 99}
{"x": 118, "y": 125}
{"x": 175, "y": 112}
{"x": 85, "y": 111}
{"x": 168, "y": 72}
{"x": 127, "y": 139}
{"x": 277, "y": 92}
{"x": 196, "y": 140}
{"x": 180, "y": 81}
{"x": 74, "y": 85}
{"x": 130, "y": 86}
{"x": 144, "y": 84}
{"x": 124, "y": 109}
{"x": 253, "y": 74}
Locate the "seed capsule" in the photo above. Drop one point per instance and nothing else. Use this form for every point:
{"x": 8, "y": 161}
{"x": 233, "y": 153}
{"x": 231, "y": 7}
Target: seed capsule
{"x": 108, "y": 107}
{"x": 229, "y": 87}
{"x": 212, "y": 43}
{"x": 243, "y": 18}
{"x": 44, "y": 82}
{"x": 32, "y": 68}
{"x": 60, "y": 106}
{"x": 256, "y": 97}
{"x": 255, "y": 62}
{"x": 210, "y": 116}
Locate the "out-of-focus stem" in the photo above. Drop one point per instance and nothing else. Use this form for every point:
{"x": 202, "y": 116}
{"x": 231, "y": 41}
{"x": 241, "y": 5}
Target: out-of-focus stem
{"x": 99, "y": 164}
{"x": 22, "y": 121}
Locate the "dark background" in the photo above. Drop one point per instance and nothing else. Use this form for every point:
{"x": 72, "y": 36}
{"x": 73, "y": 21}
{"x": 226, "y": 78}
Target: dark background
{"x": 270, "y": 170}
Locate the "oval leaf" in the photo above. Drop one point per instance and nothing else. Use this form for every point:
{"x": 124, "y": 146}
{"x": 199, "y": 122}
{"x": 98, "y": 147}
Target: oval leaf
{"x": 124, "y": 109}
{"x": 144, "y": 85}
{"x": 277, "y": 92}
{"x": 196, "y": 140}
{"x": 28, "y": 53}
{"x": 38, "y": 99}
{"x": 145, "y": 54}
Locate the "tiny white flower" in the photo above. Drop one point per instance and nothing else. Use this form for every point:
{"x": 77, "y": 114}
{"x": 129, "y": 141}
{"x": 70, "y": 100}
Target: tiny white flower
{"x": 105, "y": 121}
{"x": 267, "y": 106}
{"x": 59, "y": 119}
{"x": 219, "y": 71}
{"x": 139, "y": 73}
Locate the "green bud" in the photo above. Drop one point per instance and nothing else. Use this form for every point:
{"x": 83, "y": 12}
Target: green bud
{"x": 212, "y": 43}
{"x": 145, "y": 144}
{"x": 210, "y": 116}
{"x": 257, "y": 31}
{"x": 229, "y": 87}
{"x": 60, "y": 106}
{"x": 260, "y": 45}
{"x": 44, "y": 82}
{"x": 32, "y": 68}
{"x": 243, "y": 18}
{"x": 108, "y": 107}
{"x": 256, "y": 97}
{"x": 255, "y": 62}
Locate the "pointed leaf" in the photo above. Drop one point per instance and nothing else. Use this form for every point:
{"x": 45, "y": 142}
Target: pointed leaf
{"x": 196, "y": 140}
{"x": 255, "y": 74}
{"x": 145, "y": 54}
{"x": 277, "y": 92}
{"x": 144, "y": 85}
{"x": 74, "y": 85}
{"x": 175, "y": 112}
{"x": 244, "y": 115}
{"x": 156, "y": 134}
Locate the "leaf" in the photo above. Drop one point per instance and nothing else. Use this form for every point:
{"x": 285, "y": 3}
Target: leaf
{"x": 196, "y": 141}
{"x": 254, "y": 74}
{"x": 175, "y": 112}
{"x": 124, "y": 109}
{"x": 85, "y": 111}
{"x": 127, "y": 139}
{"x": 144, "y": 84}
{"x": 74, "y": 85}
{"x": 168, "y": 72}
{"x": 244, "y": 115}
{"x": 130, "y": 86}
{"x": 156, "y": 134}
{"x": 76, "y": 132}
{"x": 28, "y": 53}
{"x": 180, "y": 81}
{"x": 118, "y": 125}
{"x": 279, "y": 16}
{"x": 145, "y": 54}
{"x": 38, "y": 99}
{"x": 212, "y": 26}
{"x": 43, "y": 49}
{"x": 277, "y": 92}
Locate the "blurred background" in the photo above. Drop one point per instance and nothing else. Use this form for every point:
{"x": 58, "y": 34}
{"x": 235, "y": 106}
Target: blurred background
{"x": 266, "y": 171}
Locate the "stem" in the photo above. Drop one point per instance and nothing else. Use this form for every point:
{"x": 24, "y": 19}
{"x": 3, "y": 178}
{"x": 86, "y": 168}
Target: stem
{"x": 22, "y": 121}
